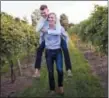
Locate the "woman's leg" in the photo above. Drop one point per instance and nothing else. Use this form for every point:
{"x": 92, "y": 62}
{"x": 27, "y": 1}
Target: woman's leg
{"x": 50, "y": 61}
{"x": 59, "y": 65}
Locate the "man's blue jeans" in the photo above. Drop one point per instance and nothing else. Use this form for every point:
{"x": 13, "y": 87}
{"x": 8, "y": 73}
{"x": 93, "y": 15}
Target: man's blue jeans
{"x": 65, "y": 52}
{"x": 39, "y": 52}
{"x": 51, "y": 56}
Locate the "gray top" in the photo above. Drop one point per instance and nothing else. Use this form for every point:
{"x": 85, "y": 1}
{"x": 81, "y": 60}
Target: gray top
{"x": 54, "y": 41}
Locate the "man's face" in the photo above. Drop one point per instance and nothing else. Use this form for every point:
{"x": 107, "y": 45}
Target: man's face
{"x": 44, "y": 13}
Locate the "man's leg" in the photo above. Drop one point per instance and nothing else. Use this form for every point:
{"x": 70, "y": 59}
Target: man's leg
{"x": 38, "y": 59}
{"x": 66, "y": 56}
{"x": 59, "y": 65}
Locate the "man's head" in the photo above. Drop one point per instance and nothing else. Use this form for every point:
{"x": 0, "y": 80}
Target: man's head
{"x": 44, "y": 11}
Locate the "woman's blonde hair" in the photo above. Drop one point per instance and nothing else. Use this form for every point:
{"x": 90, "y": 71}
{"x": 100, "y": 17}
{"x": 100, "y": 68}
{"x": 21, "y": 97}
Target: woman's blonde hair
{"x": 52, "y": 14}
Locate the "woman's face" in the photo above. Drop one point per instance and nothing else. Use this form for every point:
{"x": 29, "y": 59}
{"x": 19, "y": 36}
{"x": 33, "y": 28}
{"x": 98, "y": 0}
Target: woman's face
{"x": 52, "y": 19}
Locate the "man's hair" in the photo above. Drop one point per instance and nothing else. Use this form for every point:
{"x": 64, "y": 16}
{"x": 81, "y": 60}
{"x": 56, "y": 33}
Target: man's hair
{"x": 42, "y": 7}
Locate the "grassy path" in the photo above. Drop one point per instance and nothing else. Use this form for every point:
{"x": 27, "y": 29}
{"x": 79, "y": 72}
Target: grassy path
{"x": 82, "y": 84}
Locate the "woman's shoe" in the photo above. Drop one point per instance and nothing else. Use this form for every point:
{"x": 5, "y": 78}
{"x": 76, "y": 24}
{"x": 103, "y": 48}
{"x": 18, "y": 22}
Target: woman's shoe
{"x": 60, "y": 90}
{"x": 51, "y": 93}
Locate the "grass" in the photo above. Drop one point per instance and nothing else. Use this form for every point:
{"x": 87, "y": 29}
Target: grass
{"x": 82, "y": 84}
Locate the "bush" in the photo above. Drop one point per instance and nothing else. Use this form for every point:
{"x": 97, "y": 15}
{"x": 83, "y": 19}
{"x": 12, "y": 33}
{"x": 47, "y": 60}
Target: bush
{"x": 17, "y": 38}
{"x": 95, "y": 29}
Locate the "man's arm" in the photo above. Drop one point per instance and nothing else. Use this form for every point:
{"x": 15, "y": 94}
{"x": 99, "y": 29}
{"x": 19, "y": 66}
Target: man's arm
{"x": 40, "y": 25}
{"x": 54, "y": 32}
{"x": 64, "y": 34}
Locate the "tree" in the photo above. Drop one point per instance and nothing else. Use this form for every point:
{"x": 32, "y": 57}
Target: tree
{"x": 17, "y": 19}
{"x": 25, "y": 19}
{"x": 94, "y": 30}
{"x": 71, "y": 25}
{"x": 64, "y": 21}
{"x": 35, "y": 16}
{"x": 16, "y": 38}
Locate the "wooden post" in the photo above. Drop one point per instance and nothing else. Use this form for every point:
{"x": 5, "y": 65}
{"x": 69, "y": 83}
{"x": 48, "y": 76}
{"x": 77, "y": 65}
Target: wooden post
{"x": 19, "y": 65}
{"x": 12, "y": 72}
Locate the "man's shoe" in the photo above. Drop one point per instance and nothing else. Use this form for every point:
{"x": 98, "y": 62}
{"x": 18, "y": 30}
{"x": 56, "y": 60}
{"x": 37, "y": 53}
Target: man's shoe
{"x": 51, "y": 93}
{"x": 69, "y": 73}
{"x": 36, "y": 75}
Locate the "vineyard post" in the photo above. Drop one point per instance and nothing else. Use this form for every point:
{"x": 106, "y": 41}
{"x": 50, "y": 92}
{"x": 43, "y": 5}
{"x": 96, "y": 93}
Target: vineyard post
{"x": 28, "y": 53}
{"x": 19, "y": 66}
{"x": 12, "y": 66}
{"x": 12, "y": 72}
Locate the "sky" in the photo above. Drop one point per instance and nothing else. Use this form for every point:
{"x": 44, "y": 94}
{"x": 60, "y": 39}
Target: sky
{"x": 76, "y": 11}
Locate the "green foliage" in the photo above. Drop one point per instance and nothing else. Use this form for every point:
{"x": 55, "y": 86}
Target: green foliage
{"x": 17, "y": 38}
{"x": 74, "y": 29}
{"x": 64, "y": 21}
{"x": 35, "y": 16}
{"x": 95, "y": 29}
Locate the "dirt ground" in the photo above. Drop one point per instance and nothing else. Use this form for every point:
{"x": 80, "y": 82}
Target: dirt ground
{"x": 98, "y": 65}
{"x": 21, "y": 82}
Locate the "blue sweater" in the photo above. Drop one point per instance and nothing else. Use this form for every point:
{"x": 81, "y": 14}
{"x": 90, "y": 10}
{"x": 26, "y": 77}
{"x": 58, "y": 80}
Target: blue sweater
{"x": 54, "y": 41}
